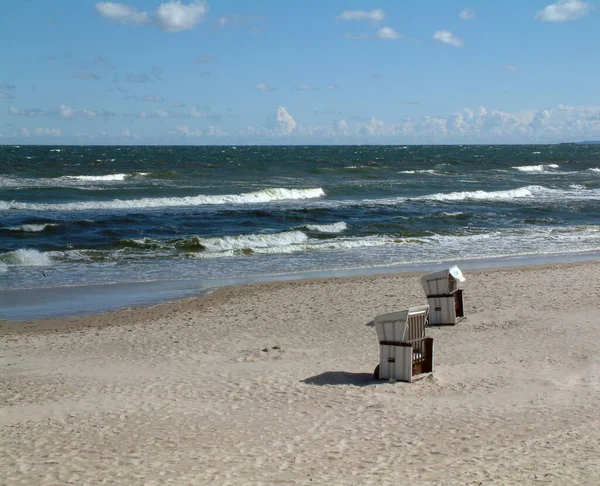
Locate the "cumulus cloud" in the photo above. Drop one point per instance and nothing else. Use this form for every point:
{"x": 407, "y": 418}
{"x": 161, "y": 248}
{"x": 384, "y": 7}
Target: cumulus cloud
{"x": 265, "y": 87}
{"x": 511, "y": 67}
{"x": 210, "y": 131}
{"x": 388, "y": 33}
{"x": 467, "y": 14}
{"x": 306, "y": 87}
{"x": 172, "y": 16}
{"x": 25, "y": 111}
{"x": 376, "y": 15}
{"x": 86, "y": 75}
{"x": 24, "y": 132}
{"x": 285, "y": 122}
{"x": 479, "y": 125}
{"x": 177, "y": 17}
{"x": 123, "y": 14}
{"x": 563, "y": 10}
{"x": 332, "y": 86}
{"x": 447, "y": 37}
{"x": 47, "y": 132}
{"x": 158, "y": 114}
{"x": 67, "y": 113}
{"x": 7, "y": 86}
{"x": 6, "y": 96}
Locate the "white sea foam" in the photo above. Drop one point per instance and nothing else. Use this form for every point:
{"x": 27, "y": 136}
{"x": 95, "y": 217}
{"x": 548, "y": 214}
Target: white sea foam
{"x": 252, "y": 242}
{"x": 522, "y": 192}
{"x": 54, "y": 150}
{"x": 3, "y": 267}
{"x": 31, "y": 228}
{"x": 538, "y": 193}
{"x": 595, "y": 169}
{"x": 327, "y": 228}
{"x": 424, "y": 171}
{"x": 108, "y": 177}
{"x": 540, "y": 169}
{"x": 26, "y": 257}
{"x": 263, "y": 196}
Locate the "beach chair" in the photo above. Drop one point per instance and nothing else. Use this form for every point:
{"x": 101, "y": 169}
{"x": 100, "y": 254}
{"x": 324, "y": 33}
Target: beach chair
{"x": 445, "y": 299}
{"x": 405, "y": 353}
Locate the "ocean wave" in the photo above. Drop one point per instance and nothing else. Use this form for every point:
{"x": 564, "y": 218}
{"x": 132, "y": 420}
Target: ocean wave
{"x": 31, "y": 228}
{"x": 26, "y": 257}
{"x": 539, "y": 169}
{"x": 326, "y": 228}
{"x": 424, "y": 171}
{"x": 522, "y": 192}
{"x": 262, "y": 196}
{"x": 105, "y": 178}
{"x": 539, "y": 193}
{"x": 594, "y": 169}
{"x": 242, "y": 242}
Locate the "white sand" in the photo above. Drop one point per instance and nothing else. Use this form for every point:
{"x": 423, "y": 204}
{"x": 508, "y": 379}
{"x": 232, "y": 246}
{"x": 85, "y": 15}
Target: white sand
{"x": 272, "y": 383}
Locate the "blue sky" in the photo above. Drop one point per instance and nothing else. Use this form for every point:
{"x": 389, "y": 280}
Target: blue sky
{"x": 299, "y": 72}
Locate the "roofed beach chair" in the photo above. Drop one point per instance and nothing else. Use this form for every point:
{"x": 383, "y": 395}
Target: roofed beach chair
{"x": 405, "y": 353}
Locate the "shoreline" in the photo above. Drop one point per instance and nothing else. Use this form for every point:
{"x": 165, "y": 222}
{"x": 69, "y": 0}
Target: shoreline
{"x": 137, "y": 314}
{"x": 22, "y": 305}
{"x": 273, "y": 383}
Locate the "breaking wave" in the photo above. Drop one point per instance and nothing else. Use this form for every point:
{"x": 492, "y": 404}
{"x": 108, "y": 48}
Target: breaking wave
{"x": 539, "y": 169}
{"x": 31, "y": 228}
{"x": 25, "y": 257}
{"x": 326, "y": 228}
{"x": 262, "y": 196}
{"x": 539, "y": 193}
{"x": 242, "y": 242}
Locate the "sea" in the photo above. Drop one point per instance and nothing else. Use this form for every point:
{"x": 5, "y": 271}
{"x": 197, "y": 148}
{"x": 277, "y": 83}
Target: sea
{"x": 91, "y": 228}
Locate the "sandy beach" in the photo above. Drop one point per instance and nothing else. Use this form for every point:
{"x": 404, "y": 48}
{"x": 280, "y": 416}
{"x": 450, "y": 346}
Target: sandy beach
{"x": 273, "y": 384}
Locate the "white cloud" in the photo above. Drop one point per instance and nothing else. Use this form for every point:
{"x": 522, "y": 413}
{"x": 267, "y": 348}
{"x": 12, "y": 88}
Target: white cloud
{"x": 447, "y": 37}
{"x": 152, "y": 98}
{"x": 25, "y": 111}
{"x": 332, "y": 86}
{"x": 479, "y": 125}
{"x": 123, "y": 14}
{"x": 172, "y": 16}
{"x": 265, "y": 87}
{"x": 511, "y": 67}
{"x": 6, "y": 96}
{"x": 47, "y": 132}
{"x": 68, "y": 113}
{"x": 161, "y": 113}
{"x": 24, "y": 132}
{"x": 307, "y": 87}
{"x": 376, "y": 15}
{"x": 285, "y": 121}
{"x": 210, "y": 131}
{"x": 467, "y": 14}
{"x": 563, "y": 10}
{"x": 177, "y": 17}
{"x": 388, "y": 33}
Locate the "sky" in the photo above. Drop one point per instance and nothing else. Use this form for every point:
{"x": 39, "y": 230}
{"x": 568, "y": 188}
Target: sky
{"x": 299, "y": 72}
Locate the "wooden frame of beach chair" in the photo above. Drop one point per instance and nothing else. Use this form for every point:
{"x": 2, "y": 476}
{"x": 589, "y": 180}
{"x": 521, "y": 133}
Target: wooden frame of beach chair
{"x": 405, "y": 353}
{"x": 445, "y": 299}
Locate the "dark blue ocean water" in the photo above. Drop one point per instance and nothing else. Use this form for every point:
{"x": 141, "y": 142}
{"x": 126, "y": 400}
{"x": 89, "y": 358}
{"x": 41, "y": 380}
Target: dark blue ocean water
{"x": 91, "y": 214}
